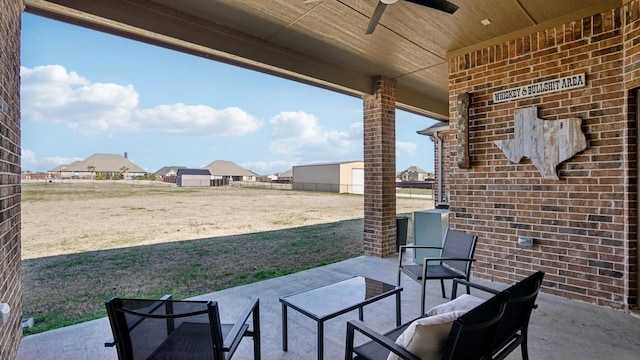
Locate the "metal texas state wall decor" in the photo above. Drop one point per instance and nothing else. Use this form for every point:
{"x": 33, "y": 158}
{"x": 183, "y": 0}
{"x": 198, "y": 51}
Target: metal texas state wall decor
{"x": 546, "y": 142}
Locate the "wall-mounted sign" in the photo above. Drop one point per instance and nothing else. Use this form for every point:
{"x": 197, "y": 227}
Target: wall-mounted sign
{"x": 540, "y": 88}
{"x": 546, "y": 142}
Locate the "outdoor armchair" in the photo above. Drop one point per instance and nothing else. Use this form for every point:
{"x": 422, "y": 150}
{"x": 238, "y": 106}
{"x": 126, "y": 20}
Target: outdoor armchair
{"x": 452, "y": 335}
{"x": 179, "y": 329}
{"x": 515, "y": 322}
{"x": 454, "y": 262}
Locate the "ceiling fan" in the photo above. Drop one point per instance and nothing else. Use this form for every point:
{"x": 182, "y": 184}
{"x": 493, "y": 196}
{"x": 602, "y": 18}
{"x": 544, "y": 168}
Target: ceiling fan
{"x": 441, "y": 5}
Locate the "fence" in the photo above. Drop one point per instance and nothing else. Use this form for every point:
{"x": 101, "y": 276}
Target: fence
{"x": 405, "y": 192}
{"x": 85, "y": 183}
{"x": 412, "y": 192}
{"x": 262, "y": 185}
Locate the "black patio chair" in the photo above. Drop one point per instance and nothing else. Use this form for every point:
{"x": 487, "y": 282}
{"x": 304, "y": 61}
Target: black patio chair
{"x": 454, "y": 262}
{"x": 471, "y": 336}
{"x": 515, "y": 322}
{"x": 178, "y": 329}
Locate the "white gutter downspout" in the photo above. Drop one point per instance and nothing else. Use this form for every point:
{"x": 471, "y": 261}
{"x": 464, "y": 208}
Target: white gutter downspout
{"x": 440, "y": 187}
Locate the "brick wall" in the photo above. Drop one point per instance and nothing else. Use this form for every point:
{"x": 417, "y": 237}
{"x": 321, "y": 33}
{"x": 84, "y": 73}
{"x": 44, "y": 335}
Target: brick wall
{"x": 584, "y": 224}
{"x": 10, "y": 283}
{"x": 380, "y": 170}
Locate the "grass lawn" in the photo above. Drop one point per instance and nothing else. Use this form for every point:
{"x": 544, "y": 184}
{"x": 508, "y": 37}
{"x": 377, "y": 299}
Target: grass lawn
{"x": 66, "y": 279}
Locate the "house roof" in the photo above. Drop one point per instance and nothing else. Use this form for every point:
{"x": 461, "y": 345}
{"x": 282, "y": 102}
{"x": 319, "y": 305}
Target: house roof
{"x": 415, "y": 169}
{"x": 288, "y": 173}
{"x": 167, "y": 169}
{"x": 102, "y": 163}
{"x": 435, "y": 127}
{"x": 227, "y": 168}
{"x": 65, "y": 167}
{"x": 185, "y": 171}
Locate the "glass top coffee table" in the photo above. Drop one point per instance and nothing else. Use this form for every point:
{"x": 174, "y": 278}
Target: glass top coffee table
{"x": 335, "y": 299}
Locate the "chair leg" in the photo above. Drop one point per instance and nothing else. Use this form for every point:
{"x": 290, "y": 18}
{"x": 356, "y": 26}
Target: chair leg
{"x": 256, "y": 347}
{"x": 348, "y": 355}
{"x": 523, "y": 345}
{"x": 399, "y": 267}
{"x": 256, "y": 333}
{"x": 423, "y": 297}
{"x": 442, "y": 287}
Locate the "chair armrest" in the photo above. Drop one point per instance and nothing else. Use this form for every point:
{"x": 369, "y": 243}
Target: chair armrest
{"x": 377, "y": 337}
{"x": 420, "y": 247}
{"x": 235, "y": 334}
{"x": 454, "y": 289}
{"x": 428, "y": 259}
{"x": 403, "y": 247}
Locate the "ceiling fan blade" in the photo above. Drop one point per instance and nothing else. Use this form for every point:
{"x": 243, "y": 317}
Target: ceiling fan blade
{"x": 442, "y": 5}
{"x": 375, "y": 18}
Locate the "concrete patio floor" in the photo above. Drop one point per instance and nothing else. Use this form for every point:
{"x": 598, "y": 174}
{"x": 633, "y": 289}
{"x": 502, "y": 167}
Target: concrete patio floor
{"x": 559, "y": 329}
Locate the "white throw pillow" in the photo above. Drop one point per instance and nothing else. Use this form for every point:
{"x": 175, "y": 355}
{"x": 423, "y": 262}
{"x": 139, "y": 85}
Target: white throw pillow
{"x": 426, "y": 337}
{"x": 464, "y": 302}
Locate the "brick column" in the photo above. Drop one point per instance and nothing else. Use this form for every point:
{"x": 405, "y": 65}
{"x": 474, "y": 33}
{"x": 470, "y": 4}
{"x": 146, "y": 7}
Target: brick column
{"x": 380, "y": 169}
{"x": 10, "y": 281}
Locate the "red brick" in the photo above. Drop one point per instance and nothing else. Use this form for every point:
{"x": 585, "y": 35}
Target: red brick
{"x": 585, "y": 208}
{"x": 379, "y": 154}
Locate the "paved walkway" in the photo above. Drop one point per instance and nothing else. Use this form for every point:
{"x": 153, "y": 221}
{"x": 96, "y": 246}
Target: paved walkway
{"x": 560, "y": 329}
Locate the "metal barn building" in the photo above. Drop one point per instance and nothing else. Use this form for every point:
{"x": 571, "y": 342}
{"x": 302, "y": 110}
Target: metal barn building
{"x": 339, "y": 177}
{"x": 193, "y": 177}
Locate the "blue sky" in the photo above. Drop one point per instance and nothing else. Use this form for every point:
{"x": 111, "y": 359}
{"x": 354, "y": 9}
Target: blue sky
{"x": 86, "y": 92}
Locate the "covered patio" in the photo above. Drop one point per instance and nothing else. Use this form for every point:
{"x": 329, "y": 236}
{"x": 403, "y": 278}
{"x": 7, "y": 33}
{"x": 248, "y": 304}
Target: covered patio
{"x": 583, "y": 226}
{"x": 559, "y": 328}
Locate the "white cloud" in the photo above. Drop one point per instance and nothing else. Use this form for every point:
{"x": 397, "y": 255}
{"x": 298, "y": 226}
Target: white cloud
{"x": 356, "y": 128}
{"x": 201, "y": 120}
{"x": 51, "y": 93}
{"x": 405, "y": 148}
{"x": 28, "y": 160}
{"x": 31, "y": 162}
{"x": 57, "y": 160}
{"x": 298, "y": 135}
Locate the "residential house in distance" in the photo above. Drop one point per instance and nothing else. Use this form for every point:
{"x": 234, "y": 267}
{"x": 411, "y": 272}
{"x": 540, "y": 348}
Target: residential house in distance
{"x": 285, "y": 177}
{"x": 280, "y": 178}
{"x": 37, "y": 176}
{"x": 413, "y": 174}
{"x": 168, "y": 173}
{"x": 108, "y": 166}
{"x": 222, "y": 169}
{"x": 436, "y": 133}
{"x": 340, "y": 177}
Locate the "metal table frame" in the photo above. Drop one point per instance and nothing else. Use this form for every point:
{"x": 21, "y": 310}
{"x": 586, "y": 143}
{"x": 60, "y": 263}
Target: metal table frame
{"x": 321, "y": 319}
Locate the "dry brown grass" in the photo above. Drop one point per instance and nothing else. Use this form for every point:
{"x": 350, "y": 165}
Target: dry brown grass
{"x": 85, "y": 242}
